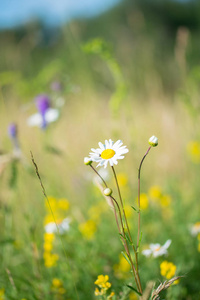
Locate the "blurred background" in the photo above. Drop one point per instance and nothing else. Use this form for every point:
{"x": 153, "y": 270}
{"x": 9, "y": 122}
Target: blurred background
{"x": 119, "y": 69}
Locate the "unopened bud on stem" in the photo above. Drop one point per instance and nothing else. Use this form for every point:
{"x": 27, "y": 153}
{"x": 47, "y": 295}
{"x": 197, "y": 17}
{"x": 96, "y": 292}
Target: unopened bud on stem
{"x": 107, "y": 192}
{"x": 87, "y": 161}
{"x": 153, "y": 141}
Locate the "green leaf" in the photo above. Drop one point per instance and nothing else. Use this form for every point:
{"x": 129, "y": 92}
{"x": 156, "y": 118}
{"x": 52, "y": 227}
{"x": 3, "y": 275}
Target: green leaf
{"x": 132, "y": 288}
{"x": 135, "y": 209}
{"x": 128, "y": 239}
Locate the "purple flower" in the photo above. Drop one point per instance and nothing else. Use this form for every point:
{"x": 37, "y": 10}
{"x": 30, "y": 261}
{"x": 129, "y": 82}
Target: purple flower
{"x": 12, "y": 130}
{"x": 43, "y": 104}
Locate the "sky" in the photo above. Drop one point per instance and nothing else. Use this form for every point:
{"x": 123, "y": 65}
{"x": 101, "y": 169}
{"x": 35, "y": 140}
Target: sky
{"x": 52, "y": 12}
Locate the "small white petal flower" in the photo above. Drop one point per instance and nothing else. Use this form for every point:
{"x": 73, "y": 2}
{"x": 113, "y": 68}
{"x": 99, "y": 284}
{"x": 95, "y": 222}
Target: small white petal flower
{"x": 62, "y": 226}
{"x": 157, "y": 250}
{"x": 51, "y": 115}
{"x": 195, "y": 229}
{"x": 108, "y": 152}
{"x": 153, "y": 141}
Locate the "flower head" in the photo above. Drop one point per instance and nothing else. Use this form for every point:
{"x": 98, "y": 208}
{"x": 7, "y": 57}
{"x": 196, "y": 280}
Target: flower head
{"x": 12, "y": 130}
{"x": 87, "y": 161}
{"x": 108, "y": 152}
{"x": 153, "y": 141}
{"x": 38, "y": 120}
{"x": 156, "y": 249}
{"x": 167, "y": 269}
{"x": 42, "y": 103}
{"x": 107, "y": 192}
{"x": 102, "y": 281}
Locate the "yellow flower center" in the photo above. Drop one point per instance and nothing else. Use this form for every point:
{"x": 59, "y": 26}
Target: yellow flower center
{"x": 157, "y": 249}
{"x": 108, "y": 153}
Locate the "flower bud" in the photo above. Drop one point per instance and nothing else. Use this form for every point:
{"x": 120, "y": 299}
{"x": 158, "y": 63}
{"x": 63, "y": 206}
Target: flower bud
{"x": 153, "y": 141}
{"x": 87, "y": 161}
{"x": 107, "y": 192}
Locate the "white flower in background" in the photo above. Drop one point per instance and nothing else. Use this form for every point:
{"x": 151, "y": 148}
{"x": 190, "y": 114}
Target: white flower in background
{"x": 195, "y": 229}
{"x": 45, "y": 114}
{"x": 108, "y": 152}
{"x": 51, "y": 115}
{"x": 157, "y": 250}
{"x": 153, "y": 141}
{"x": 62, "y": 226}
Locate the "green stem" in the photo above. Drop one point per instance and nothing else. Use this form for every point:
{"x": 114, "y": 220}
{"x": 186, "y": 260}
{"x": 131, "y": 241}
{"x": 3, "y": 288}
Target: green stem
{"x": 139, "y": 171}
{"x": 122, "y": 205}
{"x": 99, "y": 175}
{"x": 135, "y": 273}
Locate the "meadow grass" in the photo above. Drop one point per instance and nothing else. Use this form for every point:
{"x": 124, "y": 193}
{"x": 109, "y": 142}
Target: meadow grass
{"x": 34, "y": 264}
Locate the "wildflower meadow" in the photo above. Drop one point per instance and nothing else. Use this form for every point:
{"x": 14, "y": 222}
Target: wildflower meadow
{"x": 99, "y": 161}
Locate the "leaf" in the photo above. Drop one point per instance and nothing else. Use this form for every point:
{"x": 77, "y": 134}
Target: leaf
{"x": 135, "y": 209}
{"x": 132, "y": 288}
{"x": 128, "y": 239}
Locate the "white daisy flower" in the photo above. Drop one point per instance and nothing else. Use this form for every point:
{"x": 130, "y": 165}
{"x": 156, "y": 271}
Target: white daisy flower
{"x": 157, "y": 250}
{"x": 108, "y": 152}
{"x": 51, "y": 115}
{"x": 62, "y": 226}
{"x": 195, "y": 229}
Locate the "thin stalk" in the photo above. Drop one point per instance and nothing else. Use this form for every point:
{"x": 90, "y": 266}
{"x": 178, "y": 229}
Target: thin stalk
{"x": 135, "y": 252}
{"x": 139, "y": 171}
{"x": 99, "y": 175}
{"x": 135, "y": 273}
{"x": 122, "y": 205}
{"x": 51, "y": 210}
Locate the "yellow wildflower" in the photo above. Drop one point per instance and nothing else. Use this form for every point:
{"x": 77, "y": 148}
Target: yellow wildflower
{"x": 165, "y": 200}
{"x": 155, "y": 192}
{"x": 50, "y": 259}
{"x": 104, "y": 285}
{"x": 167, "y": 269}
{"x": 49, "y": 237}
{"x": 88, "y": 229}
{"x": 63, "y": 204}
{"x": 56, "y": 283}
{"x": 144, "y": 201}
{"x": 51, "y": 202}
{"x": 48, "y": 219}
{"x": 111, "y": 295}
{"x": 102, "y": 281}
{"x": 122, "y": 268}
{"x": 48, "y": 246}
{"x": 193, "y": 149}
{"x": 97, "y": 292}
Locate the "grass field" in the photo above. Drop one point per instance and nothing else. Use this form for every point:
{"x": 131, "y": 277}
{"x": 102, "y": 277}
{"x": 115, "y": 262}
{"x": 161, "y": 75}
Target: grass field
{"x": 127, "y": 83}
